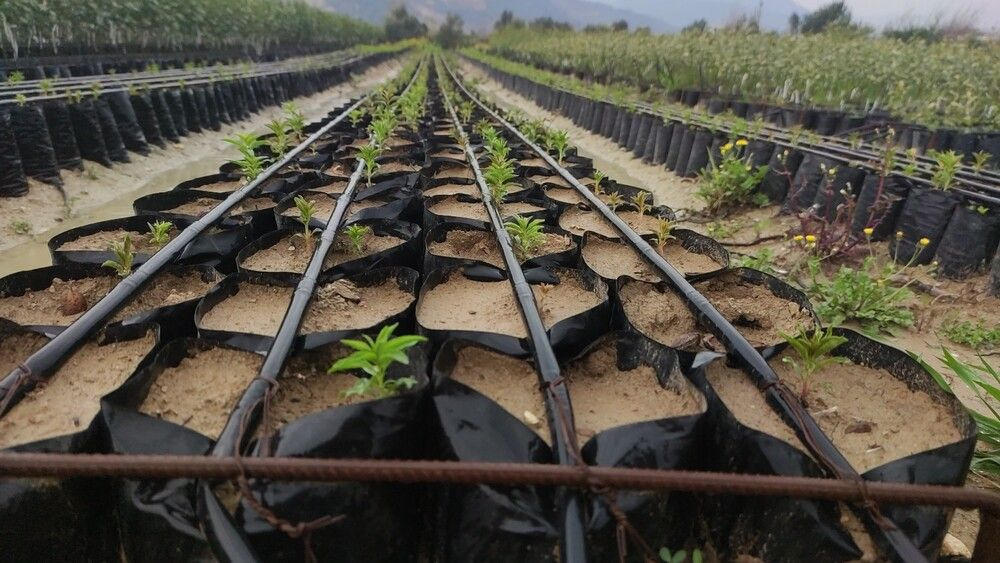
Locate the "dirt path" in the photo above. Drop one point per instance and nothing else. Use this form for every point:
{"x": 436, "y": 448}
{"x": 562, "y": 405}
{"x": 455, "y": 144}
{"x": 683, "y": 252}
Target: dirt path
{"x": 99, "y": 193}
{"x": 668, "y": 189}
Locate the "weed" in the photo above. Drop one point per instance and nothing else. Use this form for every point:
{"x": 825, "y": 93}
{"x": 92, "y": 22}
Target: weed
{"x": 356, "y": 237}
{"x": 159, "y": 232}
{"x": 90, "y": 169}
{"x": 732, "y": 181}
{"x": 641, "y": 202}
{"x": 307, "y": 210}
{"x": 125, "y": 254}
{"x": 374, "y": 357}
{"x": 813, "y": 349}
{"x": 861, "y": 294}
{"x": 762, "y": 260}
{"x": 679, "y": 556}
{"x": 721, "y": 230}
{"x": 21, "y": 227}
{"x": 977, "y": 336}
{"x": 526, "y": 234}
{"x": 983, "y": 380}
{"x": 368, "y": 155}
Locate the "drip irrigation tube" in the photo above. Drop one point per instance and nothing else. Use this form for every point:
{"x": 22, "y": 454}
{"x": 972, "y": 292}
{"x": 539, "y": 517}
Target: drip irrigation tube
{"x": 573, "y": 536}
{"x": 41, "y": 364}
{"x": 779, "y": 396}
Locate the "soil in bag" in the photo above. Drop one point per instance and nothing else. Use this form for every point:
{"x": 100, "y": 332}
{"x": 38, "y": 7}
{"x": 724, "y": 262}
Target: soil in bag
{"x": 580, "y": 219}
{"x": 925, "y": 215}
{"x": 309, "y": 416}
{"x": 633, "y": 408}
{"x": 177, "y": 405}
{"x": 659, "y": 313}
{"x": 65, "y": 520}
{"x": 87, "y": 129}
{"x": 689, "y": 252}
{"x": 464, "y": 242}
{"x": 63, "y": 138}
{"x": 38, "y": 157}
{"x": 968, "y": 242}
{"x": 490, "y": 409}
{"x": 13, "y": 182}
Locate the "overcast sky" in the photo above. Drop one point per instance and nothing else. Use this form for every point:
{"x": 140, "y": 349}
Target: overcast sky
{"x": 882, "y": 12}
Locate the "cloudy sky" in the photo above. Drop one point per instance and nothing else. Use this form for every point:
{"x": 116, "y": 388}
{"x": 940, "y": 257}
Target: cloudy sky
{"x": 883, "y": 12}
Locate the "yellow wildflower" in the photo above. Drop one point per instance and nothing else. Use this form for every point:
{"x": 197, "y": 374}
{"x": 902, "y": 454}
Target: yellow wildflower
{"x": 810, "y": 238}
{"x": 741, "y": 143}
{"x": 925, "y": 241}
{"x": 869, "y": 231}
{"x": 797, "y": 238}
{"x": 726, "y": 148}
{"x": 899, "y": 234}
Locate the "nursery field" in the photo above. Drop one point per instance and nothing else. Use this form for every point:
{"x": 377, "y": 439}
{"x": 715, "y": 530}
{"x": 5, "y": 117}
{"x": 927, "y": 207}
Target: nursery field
{"x": 431, "y": 305}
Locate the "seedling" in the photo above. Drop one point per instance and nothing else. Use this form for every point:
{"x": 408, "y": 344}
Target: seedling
{"x": 614, "y": 201}
{"x": 558, "y": 141}
{"x": 381, "y": 129}
{"x": 526, "y": 234}
{"x": 125, "y": 254}
{"x": 979, "y": 160}
{"x": 279, "y": 142}
{"x": 374, "y": 357}
{"x": 307, "y": 210}
{"x": 813, "y": 349}
{"x": 295, "y": 120}
{"x": 948, "y": 163}
{"x": 15, "y": 77}
{"x": 679, "y": 556}
{"x": 465, "y": 111}
{"x": 640, "y": 200}
{"x": 159, "y": 232}
{"x": 498, "y": 179}
{"x": 47, "y": 86}
{"x": 356, "y": 236}
{"x": 598, "y": 178}
{"x": 664, "y": 230}
{"x": 368, "y": 155}
{"x": 356, "y": 116}
{"x": 21, "y": 100}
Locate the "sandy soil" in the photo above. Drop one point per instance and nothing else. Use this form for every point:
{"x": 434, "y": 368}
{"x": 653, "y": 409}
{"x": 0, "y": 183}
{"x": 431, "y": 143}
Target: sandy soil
{"x": 99, "y": 193}
{"x": 668, "y": 188}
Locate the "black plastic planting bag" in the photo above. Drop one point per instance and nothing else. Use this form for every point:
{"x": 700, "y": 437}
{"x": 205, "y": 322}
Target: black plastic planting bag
{"x": 128, "y": 122}
{"x": 880, "y": 209}
{"x": 684, "y": 150}
{"x": 87, "y": 129}
{"x": 48, "y": 519}
{"x": 698, "y": 158}
{"x": 208, "y": 110}
{"x": 145, "y": 115}
{"x": 781, "y": 169}
{"x": 488, "y": 522}
{"x": 382, "y": 522}
{"x": 925, "y": 215}
{"x": 832, "y": 194}
{"x": 156, "y": 518}
{"x": 38, "y": 158}
{"x": 664, "y": 518}
{"x": 810, "y": 177}
{"x": 968, "y": 242}
{"x": 164, "y": 118}
{"x": 193, "y": 110}
{"x": 109, "y": 130}
{"x": 60, "y": 125}
{"x": 13, "y": 182}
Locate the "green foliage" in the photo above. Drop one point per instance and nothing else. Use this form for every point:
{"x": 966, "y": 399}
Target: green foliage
{"x": 641, "y": 202}
{"x": 813, "y": 349}
{"x": 679, "y": 556}
{"x": 356, "y": 237}
{"x": 614, "y": 200}
{"x": 664, "y": 233}
{"x": 948, "y": 163}
{"x": 159, "y": 232}
{"x": 251, "y": 165}
{"x": 20, "y": 227}
{"x": 979, "y": 160}
{"x": 307, "y": 210}
{"x": 294, "y": 120}
{"x": 374, "y": 357}
{"x": 47, "y": 86}
{"x": 732, "y": 182}
{"x": 558, "y": 141}
{"x": 125, "y": 254}
{"x": 278, "y": 143}
{"x": 978, "y": 335}
{"x": 15, "y": 77}
{"x": 498, "y": 176}
{"x": 369, "y": 155}
{"x": 526, "y": 234}
{"x": 984, "y": 381}
{"x": 400, "y": 24}
{"x": 762, "y": 260}
{"x": 861, "y": 294}
{"x": 598, "y": 178}
{"x": 356, "y": 116}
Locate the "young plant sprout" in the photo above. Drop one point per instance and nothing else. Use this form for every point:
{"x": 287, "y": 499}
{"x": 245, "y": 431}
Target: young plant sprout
{"x": 483, "y": 127}
{"x": 526, "y": 234}
{"x": 813, "y": 349}
{"x": 368, "y": 154}
{"x": 664, "y": 230}
{"x": 125, "y": 254}
{"x": 598, "y": 178}
{"x": 614, "y": 201}
{"x": 47, "y": 86}
{"x": 381, "y": 129}
{"x": 374, "y": 357}
{"x": 948, "y": 163}
{"x": 498, "y": 178}
{"x": 159, "y": 232}
{"x": 295, "y": 120}
{"x": 465, "y": 111}
{"x": 356, "y": 236}
{"x": 356, "y": 116}
{"x": 15, "y": 77}
{"x": 21, "y": 100}
{"x": 558, "y": 141}
{"x": 641, "y": 202}
{"x": 251, "y": 165}
{"x": 979, "y": 160}
{"x": 279, "y": 142}
{"x": 307, "y": 210}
